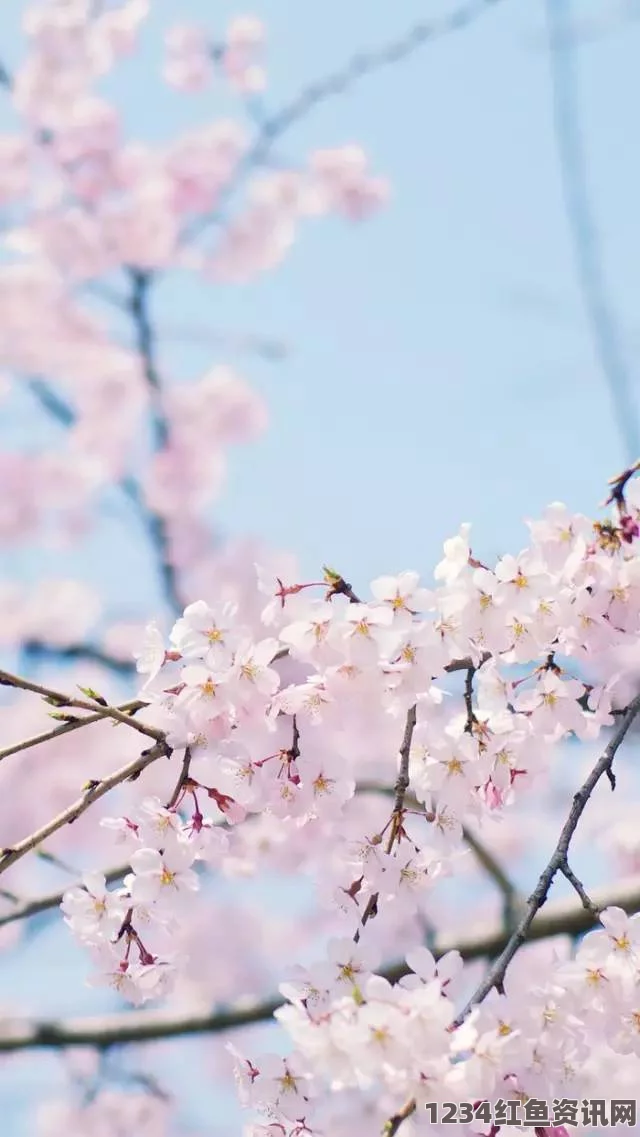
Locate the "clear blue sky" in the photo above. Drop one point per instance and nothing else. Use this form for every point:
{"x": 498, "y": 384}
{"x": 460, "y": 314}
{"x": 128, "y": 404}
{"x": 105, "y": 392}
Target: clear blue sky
{"x": 440, "y": 367}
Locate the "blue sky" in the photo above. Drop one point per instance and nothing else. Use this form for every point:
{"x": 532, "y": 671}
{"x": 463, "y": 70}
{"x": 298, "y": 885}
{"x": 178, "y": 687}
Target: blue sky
{"x": 440, "y": 367}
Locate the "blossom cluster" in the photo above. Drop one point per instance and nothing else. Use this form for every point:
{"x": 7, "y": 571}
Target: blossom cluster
{"x": 291, "y": 718}
{"x": 564, "y": 1028}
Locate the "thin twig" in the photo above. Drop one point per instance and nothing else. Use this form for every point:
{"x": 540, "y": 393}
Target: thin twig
{"x": 400, "y": 789}
{"x": 468, "y": 699}
{"x": 560, "y": 918}
{"x": 93, "y": 792}
{"x": 495, "y": 976}
{"x": 65, "y": 728}
{"x": 57, "y": 699}
{"x": 182, "y": 778}
{"x": 577, "y": 884}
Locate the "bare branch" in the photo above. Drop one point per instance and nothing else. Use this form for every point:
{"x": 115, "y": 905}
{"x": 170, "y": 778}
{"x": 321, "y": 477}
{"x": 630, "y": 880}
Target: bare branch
{"x": 560, "y": 918}
{"x": 402, "y": 783}
{"x": 57, "y": 699}
{"x": 66, "y": 728}
{"x": 557, "y": 862}
{"x": 93, "y": 792}
{"x": 577, "y": 884}
{"x": 400, "y": 789}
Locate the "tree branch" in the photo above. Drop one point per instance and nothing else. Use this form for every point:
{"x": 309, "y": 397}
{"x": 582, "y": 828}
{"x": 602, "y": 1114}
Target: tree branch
{"x": 66, "y": 728}
{"x": 396, "y": 830}
{"x": 145, "y": 342}
{"x": 558, "y": 861}
{"x": 79, "y": 652}
{"x": 93, "y": 792}
{"x": 560, "y": 918}
{"x": 402, "y": 783}
{"x": 60, "y": 410}
{"x": 96, "y": 707}
{"x": 577, "y": 884}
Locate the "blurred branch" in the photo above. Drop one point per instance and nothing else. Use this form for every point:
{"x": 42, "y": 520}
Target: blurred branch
{"x": 360, "y": 66}
{"x": 26, "y": 908}
{"x": 79, "y": 652}
{"x": 511, "y": 899}
{"x": 562, "y": 918}
{"x": 584, "y": 233}
{"x": 582, "y": 31}
{"x": 59, "y": 409}
{"x": 145, "y": 343}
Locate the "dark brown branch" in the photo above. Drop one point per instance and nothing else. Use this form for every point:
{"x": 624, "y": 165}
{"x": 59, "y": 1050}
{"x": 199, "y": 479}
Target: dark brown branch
{"x": 577, "y": 884}
{"x": 558, "y": 861}
{"x": 393, "y": 1124}
{"x": 400, "y": 789}
{"x": 182, "y": 779}
{"x": 402, "y": 783}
